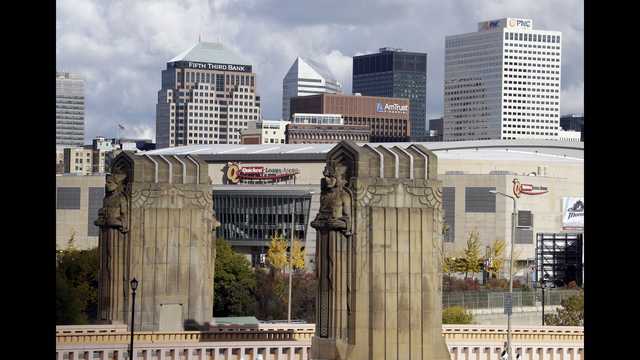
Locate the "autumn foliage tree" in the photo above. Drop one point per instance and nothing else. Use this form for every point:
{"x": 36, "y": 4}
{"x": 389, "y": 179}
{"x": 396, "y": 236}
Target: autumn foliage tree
{"x": 471, "y": 259}
{"x": 278, "y": 256}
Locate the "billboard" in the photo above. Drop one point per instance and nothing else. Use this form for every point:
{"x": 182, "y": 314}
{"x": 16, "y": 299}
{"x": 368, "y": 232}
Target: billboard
{"x": 573, "y": 213}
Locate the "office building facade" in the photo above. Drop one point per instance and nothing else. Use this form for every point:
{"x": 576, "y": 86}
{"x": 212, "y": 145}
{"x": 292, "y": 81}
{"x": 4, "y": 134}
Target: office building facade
{"x": 395, "y": 73}
{"x": 324, "y": 129}
{"x": 265, "y": 132}
{"x": 387, "y": 118}
{"x": 307, "y": 77}
{"x": 70, "y": 106}
{"x": 208, "y": 95}
{"x": 502, "y": 82}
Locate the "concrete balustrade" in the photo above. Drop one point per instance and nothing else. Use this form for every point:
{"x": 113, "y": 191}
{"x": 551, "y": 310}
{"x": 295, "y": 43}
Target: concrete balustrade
{"x": 293, "y": 342}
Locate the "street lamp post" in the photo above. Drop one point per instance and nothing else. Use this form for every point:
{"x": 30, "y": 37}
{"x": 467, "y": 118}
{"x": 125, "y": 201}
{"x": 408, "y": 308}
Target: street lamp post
{"x": 134, "y": 286}
{"x": 293, "y": 210}
{"x": 513, "y": 233}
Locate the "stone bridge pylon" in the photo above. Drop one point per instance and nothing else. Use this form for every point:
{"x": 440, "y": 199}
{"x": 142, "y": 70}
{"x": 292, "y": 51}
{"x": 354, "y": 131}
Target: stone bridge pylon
{"x": 379, "y": 255}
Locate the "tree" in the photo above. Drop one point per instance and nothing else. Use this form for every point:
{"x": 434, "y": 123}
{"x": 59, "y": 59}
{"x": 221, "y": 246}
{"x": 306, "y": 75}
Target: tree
{"x": 498, "y": 248}
{"x": 298, "y": 254}
{"x": 268, "y": 301}
{"x": 233, "y": 283}
{"x": 471, "y": 260}
{"x": 277, "y": 252}
{"x": 68, "y": 304}
{"x": 77, "y": 276}
{"x": 571, "y": 313}
{"x": 304, "y": 290}
{"x": 457, "y": 315}
{"x": 449, "y": 266}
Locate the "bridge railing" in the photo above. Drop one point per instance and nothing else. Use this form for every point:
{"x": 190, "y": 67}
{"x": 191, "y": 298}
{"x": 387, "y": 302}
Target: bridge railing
{"x": 282, "y": 342}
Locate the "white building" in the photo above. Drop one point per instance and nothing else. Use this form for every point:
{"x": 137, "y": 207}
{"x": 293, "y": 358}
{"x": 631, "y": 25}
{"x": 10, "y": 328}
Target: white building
{"x": 502, "y": 82}
{"x": 265, "y": 132}
{"x": 307, "y": 77}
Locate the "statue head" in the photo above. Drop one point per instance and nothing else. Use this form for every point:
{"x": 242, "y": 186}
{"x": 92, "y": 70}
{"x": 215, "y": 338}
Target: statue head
{"x": 113, "y": 182}
{"x": 335, "y": 176}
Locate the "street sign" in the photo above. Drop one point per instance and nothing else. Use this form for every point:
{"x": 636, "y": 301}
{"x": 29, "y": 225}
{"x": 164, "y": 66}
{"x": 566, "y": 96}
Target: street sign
{"x": 508, "y": 303}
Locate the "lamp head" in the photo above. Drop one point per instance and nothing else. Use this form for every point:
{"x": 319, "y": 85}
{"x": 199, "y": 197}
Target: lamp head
{"x": 134, "y": 284}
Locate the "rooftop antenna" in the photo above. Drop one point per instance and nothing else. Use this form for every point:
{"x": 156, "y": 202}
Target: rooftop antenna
{"x": 200, "y": 34}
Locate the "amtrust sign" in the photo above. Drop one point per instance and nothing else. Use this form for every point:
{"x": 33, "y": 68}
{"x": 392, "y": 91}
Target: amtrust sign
{"x": 392, "y": 108}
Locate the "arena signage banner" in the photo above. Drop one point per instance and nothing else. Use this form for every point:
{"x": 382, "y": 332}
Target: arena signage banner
{"x": 527, "y": 189}
{"x": 573, "y": 213}
{"x": 235, "y": 173}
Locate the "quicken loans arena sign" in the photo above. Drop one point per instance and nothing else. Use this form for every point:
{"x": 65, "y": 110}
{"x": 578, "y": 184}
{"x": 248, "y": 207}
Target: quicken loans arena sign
{"x": 527, "y": 189}
{"x": 235, "y": 174}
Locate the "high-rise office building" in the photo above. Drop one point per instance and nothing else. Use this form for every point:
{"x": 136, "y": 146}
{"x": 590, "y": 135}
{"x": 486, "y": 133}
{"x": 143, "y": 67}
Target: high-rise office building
{"x": 502, "y": 82}
{"x": 208, "y": 95}
{"x": 395, "y": 73}
{"x": 307, "y": 77}
{"x": 69, "y": 109}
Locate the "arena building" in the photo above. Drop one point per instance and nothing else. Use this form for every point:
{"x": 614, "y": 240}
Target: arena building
{"x": 257, "y": 189}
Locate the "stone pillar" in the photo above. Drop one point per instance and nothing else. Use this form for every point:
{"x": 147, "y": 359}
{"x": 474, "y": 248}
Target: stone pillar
{"x": 162, "y": 236}
{"x": 379, "y": 255}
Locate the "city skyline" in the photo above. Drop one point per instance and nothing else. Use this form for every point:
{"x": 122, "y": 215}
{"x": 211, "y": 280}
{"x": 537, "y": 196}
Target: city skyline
{"x": 121, "y": 48}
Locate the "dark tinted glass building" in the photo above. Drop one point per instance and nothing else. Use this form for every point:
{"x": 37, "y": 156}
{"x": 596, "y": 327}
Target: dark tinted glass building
{"x": 398, "y": 74}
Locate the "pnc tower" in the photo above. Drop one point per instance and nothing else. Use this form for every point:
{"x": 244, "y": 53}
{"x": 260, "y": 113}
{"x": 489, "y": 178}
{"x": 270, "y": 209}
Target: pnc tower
{"x": 208, "y": 95}
{"x": 502, "y": 82}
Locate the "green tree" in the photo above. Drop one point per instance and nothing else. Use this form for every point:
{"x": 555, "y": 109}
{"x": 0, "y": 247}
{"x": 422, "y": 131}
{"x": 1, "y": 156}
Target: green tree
{"x": 68, "y": 304}
{"x": 269, "y": 295}
{"x": 471, "y": 259}
{"x": 233, "y": 283}
{"x": 571, "y": 313}
{"x": 457, "y": 315}
{"x": 77, "y": 269}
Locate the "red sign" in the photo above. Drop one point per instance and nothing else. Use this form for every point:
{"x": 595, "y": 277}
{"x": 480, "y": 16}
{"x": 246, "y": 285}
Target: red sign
{"x": 235, "y": 173}
{"x": 527, "y": 189}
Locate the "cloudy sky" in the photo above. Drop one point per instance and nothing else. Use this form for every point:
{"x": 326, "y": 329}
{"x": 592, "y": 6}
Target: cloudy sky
{"x": 121, "y": 47}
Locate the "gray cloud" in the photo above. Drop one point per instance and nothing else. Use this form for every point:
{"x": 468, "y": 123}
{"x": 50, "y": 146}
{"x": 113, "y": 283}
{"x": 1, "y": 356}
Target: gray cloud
{"x": 121, "y": 47}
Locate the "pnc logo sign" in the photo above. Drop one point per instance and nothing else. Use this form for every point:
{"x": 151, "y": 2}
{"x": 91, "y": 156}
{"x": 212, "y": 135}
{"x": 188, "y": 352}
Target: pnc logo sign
{"x": 491, "y": 24}
{"x": 515, "y": 22}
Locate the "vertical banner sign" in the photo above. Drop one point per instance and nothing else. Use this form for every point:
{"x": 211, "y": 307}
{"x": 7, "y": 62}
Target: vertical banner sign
{"x": 573, "y": 213}
{"x": 508, "y": 303}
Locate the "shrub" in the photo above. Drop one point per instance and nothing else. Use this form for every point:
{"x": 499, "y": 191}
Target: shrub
{"x": 495, "y": 283}
{"x": 450, "y": 283}
{"x": 457, "y": 315}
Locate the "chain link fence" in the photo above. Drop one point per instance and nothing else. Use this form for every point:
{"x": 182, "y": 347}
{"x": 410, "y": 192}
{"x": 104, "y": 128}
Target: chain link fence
{"x": 485, "y": 299}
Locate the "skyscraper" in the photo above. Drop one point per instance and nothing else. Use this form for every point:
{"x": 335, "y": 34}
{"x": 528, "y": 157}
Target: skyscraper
{"x": 395, "y": 73}
{"x": 208, "y": 95}
{"x": 307, "y": 77}
{"x": 69, "y": 109}
{"x": 502, "y": 82}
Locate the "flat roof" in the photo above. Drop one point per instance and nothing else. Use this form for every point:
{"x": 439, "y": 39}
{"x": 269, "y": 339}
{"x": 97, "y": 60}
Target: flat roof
{"x": 516, "y": 150}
